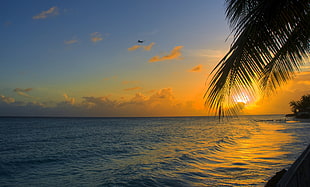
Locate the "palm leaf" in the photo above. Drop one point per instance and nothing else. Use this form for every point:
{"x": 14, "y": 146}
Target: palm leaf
{"x": 271, "y": 41}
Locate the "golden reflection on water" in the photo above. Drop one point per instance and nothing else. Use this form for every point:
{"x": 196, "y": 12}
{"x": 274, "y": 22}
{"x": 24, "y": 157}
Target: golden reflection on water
{"x": 252, "y": 154}
{"x": 235, "y": 153}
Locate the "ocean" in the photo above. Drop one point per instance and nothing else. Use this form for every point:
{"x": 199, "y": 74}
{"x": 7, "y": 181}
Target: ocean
{"x": 159, "y": 151}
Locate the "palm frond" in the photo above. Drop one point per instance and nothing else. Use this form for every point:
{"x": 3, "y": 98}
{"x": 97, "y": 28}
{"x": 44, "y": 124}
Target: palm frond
{"x": 271, "y": 40}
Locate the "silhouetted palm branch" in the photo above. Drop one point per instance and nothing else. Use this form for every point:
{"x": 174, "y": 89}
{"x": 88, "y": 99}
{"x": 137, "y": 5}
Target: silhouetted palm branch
{"x": 271, "y": 40}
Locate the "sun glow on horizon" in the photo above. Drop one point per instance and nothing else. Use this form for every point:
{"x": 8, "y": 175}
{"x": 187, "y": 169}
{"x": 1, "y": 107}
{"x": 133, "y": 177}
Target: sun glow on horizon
{"x": 241, "y": 98}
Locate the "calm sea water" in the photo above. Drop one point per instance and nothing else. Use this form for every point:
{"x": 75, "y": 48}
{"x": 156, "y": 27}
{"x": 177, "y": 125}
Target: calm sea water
{"x": 181, "y": 151}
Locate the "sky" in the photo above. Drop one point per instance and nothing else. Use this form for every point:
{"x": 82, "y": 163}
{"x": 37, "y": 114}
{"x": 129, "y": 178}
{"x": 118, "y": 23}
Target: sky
{"x": 83, "y": 58}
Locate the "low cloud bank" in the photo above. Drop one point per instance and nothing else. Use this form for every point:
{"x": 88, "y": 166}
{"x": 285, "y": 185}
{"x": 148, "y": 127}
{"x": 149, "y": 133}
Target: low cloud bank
{"x": 160, "y": 103}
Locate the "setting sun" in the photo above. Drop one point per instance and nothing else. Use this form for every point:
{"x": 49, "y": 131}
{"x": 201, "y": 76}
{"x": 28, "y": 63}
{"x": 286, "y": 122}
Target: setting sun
{"x": 97, "y": 69}
{"x": 242, "y": 98}
{"x": 152, "y": 93}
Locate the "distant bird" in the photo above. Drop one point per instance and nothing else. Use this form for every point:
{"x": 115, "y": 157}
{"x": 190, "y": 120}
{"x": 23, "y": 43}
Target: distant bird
{"x": 140, "y": 41}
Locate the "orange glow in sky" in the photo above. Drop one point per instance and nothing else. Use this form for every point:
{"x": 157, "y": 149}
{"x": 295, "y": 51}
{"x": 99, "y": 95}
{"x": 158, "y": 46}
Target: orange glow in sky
{"x": 62, "y": 58}
{"x": 241, "y": 98}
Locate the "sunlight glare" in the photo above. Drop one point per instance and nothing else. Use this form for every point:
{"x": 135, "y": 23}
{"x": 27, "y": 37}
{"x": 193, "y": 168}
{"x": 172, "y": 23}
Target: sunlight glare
{"x": 242, "y": 98}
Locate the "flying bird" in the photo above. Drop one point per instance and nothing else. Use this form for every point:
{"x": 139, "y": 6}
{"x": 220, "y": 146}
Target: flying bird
{"x": 140, "y": 41}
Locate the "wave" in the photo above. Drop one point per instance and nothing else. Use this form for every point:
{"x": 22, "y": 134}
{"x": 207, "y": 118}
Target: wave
{"x": 147, "y": 151}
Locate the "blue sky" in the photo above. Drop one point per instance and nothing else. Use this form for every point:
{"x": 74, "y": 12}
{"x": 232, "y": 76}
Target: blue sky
{"x": 73, "y": 57}
{"x": 37, "y": 45}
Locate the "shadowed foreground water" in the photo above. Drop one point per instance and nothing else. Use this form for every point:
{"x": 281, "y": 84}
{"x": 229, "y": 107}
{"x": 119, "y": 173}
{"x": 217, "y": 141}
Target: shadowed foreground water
{"x": 181, "y": 151}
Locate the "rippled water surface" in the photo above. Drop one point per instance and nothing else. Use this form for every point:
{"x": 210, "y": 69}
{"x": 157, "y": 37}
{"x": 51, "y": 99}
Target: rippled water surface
{"x": 181, "y": 151}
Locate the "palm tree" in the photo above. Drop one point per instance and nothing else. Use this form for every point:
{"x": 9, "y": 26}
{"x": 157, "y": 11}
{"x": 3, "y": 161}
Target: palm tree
{"x": 271, "y": 42}
{"x": 303, "y": 105}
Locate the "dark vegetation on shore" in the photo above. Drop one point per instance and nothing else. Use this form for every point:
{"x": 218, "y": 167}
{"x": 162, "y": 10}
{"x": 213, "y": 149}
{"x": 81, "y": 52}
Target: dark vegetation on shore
{"x": 301, "y": 108}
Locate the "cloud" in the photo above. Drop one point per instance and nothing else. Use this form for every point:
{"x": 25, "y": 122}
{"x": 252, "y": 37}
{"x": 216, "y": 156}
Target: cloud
{"x": 161, "y": 102}
{"x": 165, "y": 93}
{"x": 22, "y": 92}
{"x": 133, "y": 48}
{"x": 148, "y": 47}
{"x": 68, "y": 42}
{"x": 139, "y": 98}
{"x": 306, "y": 67}
{"x": 304, "y": 82}
{"x": 53, "y": 11}
{"x": 304, "y": 73}
{"x": 7, "y": 23}
{"x": 144, "y": 47}
{"x": 174, "y": 54}
{"x": 209, "y": 53}
{"x": 96, "y": 37}
{"x": 134, "y": 88}
{"x": 197, "y": 68}
{"x": 302, "y": 78}
{"x": 109, "y": 78}
{"x": 278, "y": 102}
{"x": 7, "y": 99}
{"x": 99, "y": 102}
{"x": 151, "y": 91}
{"x": 69, "y": 100}
{"x": 129, "y": 82}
